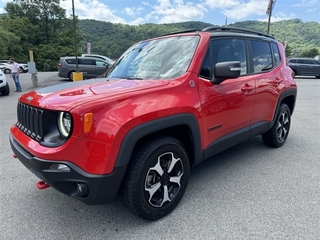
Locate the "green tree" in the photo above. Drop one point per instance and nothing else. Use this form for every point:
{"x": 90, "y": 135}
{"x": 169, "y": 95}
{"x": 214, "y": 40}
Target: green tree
{"x": 45, "y": 30}
{"x": 9, "y": 42}
{"x": 46, "y": 14}
{"x": 310, "y": 53}
{"x": 288, "y": 50}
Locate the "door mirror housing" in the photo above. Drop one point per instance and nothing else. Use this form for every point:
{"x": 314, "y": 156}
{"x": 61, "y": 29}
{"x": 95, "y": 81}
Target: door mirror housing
{"x": 226, "y": 70}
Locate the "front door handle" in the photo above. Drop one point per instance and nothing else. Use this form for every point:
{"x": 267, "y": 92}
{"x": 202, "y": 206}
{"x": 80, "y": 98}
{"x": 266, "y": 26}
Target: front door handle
{"x": 247, "y": 88}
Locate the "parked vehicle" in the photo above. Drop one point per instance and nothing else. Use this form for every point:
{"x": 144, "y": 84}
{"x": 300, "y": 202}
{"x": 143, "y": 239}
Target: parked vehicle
{"x": 166, "y": 105}
{"x": 90, "y": 67}
{"x": 4, "y": 85}
{"x": 5, "y": 68}
{"x": 23, "y": 67}
{"x": 305, "y": 66}
{"x": 108, "y": 60}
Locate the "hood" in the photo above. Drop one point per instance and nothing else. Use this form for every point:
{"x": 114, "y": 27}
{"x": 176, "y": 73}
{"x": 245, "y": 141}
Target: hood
{"x": 69, "y": 95}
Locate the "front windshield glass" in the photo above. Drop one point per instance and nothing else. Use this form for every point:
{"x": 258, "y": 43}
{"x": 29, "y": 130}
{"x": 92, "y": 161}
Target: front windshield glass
{"x": 164, "y": 58}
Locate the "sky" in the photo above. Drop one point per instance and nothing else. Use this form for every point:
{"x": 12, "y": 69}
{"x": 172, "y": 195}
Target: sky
{"x": 216, "y": 12}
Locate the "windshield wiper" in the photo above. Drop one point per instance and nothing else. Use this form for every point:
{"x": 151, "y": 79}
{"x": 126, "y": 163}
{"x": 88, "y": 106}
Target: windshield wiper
{"x": 134, "y": 78}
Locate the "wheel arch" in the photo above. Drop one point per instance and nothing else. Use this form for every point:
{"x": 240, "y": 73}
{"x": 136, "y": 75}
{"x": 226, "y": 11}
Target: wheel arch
{"x": 288, "y": 97}
{"x": 183, "y": 127}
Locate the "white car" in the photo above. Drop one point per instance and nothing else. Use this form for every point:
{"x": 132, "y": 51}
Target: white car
{"x": 5, "y": 67}
{"x": 4, "y": 86}
{"x": 108, "y": 60}
{"x": 22, "y": 66}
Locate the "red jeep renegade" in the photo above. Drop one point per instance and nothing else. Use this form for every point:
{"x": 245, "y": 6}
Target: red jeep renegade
{"x": 166, "y": 105}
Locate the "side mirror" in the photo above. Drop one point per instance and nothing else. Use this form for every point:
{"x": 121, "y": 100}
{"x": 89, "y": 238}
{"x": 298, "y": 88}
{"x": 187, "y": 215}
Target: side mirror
{"x": 226, "y": 70}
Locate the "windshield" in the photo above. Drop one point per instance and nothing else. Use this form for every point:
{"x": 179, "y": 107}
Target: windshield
{"x": 164, "y": 58}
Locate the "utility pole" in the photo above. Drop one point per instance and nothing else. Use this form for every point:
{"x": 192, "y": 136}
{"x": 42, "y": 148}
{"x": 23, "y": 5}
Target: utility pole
{"x": 76, "y": 76}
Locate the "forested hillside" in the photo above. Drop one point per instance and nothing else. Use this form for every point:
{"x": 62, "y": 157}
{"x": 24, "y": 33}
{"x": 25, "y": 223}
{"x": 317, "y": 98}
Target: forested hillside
{"x": 43, "y": 27}
{"x": 301, "y": 37}
{"x": 112, "y": 39}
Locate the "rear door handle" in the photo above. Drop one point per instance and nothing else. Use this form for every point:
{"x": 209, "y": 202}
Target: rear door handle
{"x": 277, "y": 81}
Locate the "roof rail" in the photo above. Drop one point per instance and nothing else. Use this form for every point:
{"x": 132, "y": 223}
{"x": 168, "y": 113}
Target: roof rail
{"x": 183, "y": 31}
{"x": 239, "y": 30}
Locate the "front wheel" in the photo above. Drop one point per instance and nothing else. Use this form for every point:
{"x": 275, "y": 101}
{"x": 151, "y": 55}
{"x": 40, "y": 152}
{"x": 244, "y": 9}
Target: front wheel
{"x": 156, "y": 179}
{"x": 279, "y": 132}
{"x": 6, "y": 90}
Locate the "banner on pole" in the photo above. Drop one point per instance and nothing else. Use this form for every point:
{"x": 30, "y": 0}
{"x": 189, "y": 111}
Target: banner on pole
{"x": 270, "y": 6}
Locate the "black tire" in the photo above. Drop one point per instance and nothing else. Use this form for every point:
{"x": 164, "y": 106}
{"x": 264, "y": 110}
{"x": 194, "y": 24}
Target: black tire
{"x": 294, "y": 73}
{"x": 317, "y": 76}
{"x": 6, "y": 90}
{"x": 20, "y": 70}
{"x": 7, "y": 71}
{"x": 149, "y": 193}
{"x": 70, "y": 76}
{"x": 277, "y": 135}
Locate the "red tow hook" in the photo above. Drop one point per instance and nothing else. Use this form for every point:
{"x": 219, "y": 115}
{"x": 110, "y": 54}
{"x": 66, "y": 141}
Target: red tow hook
{"x": 42, "y": 185}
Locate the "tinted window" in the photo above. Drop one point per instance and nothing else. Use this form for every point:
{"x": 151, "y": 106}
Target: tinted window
{"x": 261, "y": 54}
{"x": 224, "y": 50}
{"x": 87, "y": 61}
{"x": 71, "y": 61}
{"x": 276, "y": 53}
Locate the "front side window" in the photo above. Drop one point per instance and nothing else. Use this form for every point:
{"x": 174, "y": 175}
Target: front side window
{"x": 100, "y": 63}
{"x": 224, "y": 50}
{"x": 261, "y": 56}
{"x": 164, "y": 58}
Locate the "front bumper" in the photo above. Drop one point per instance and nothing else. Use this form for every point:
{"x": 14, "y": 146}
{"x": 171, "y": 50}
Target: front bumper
{"x": 101, "y": 189}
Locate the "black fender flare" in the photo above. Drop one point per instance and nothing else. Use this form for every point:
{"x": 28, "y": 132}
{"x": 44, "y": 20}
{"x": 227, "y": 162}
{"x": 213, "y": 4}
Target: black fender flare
{"x": 144, "y": 129}
{"x": 283, "y": 95}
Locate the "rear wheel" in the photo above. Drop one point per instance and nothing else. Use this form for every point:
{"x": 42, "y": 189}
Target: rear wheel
{"x": 156, "y": 179}
{"x": 278, "y": 134}
{"x": 20, "y": 70}
{"x": 7, "y": 71}
{"x": 294, "y": 73}
{"x": 70, "y": 76}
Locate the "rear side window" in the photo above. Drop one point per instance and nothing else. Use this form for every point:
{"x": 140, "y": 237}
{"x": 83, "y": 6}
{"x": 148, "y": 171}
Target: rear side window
{"x": 71, "y": 61}
{"x": 261, "y": 56}
{"x": 87, "y": 61}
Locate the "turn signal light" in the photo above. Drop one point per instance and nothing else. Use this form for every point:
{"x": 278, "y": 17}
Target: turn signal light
{"x": 87, "y": 122}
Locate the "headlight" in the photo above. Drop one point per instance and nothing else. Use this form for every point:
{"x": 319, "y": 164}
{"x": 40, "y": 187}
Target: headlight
{"x": 64, "y": 123}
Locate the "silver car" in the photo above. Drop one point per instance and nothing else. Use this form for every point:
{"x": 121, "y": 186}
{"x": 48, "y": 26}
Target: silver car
{"x": 90, "y": 67}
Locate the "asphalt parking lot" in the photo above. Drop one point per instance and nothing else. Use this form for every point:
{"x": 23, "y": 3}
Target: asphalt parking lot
{"x": 247, "y": 192}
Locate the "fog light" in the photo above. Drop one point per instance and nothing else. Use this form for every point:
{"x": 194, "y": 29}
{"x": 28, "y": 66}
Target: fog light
{"x": 60, "y": 167}
{"x": 82, "y": 189}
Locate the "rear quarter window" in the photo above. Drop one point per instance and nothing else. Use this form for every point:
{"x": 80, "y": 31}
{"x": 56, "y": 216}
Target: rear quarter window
{"x": 276, "y": 53}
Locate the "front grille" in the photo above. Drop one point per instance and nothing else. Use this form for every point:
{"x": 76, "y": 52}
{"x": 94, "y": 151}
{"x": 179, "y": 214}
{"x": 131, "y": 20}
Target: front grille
{"x": 30, "y": 121}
